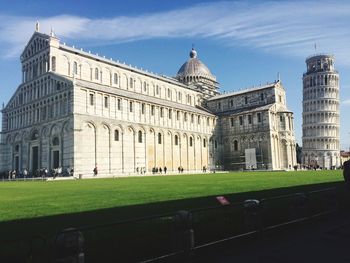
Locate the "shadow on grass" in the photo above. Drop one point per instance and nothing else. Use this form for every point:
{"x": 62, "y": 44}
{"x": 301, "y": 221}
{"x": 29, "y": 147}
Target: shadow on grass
{"x": 50, "y": 225}
{"x": 139, "y": 240}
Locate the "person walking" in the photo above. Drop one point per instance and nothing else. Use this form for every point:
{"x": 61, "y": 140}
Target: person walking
{"x": 95, "y": 171}
{"x": 59, "y": 171}
{"x": 165, "y": 169}
{"x": 25, "y": 173}
{"x": 346, "y": 173}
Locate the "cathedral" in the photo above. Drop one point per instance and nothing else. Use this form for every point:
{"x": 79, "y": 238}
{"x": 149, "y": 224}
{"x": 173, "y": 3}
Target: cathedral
{"x": 78, "y": 110}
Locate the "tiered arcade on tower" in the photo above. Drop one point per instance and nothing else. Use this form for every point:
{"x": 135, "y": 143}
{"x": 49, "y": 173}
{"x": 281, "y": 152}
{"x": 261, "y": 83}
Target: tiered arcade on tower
{"x": 321, "y": 113}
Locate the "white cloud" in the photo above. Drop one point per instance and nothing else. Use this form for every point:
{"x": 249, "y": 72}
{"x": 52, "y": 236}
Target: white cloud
{"x": 288, "y": 28}
{"x": 346, "y": 102}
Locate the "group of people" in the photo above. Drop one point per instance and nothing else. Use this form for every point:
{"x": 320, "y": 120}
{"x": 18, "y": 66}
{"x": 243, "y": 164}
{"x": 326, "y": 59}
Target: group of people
{"x": 61, "y": 172}
{"x": 43, "y": 172}
{"x": 180, "y": 169}
{"x": 141, "y": 170}
{"x": 156, "y": 170}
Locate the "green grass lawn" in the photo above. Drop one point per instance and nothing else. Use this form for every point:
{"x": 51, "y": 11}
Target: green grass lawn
{"x": 23, "y": 200}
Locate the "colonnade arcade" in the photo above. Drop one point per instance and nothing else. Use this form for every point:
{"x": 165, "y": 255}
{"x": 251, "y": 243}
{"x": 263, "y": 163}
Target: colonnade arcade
{"x": 321, "y": 130}
{"x": 317, "y": 117}
{"x": 321, "y": 104}
{"x": 282, "y": 152}
{"x": 39, "y": 101}
{"x": 321, "y": 143}
{"x": 318, "y": 93}
{"x": 123, "y": 148}
{"x": 35, "y": 67}
{"x": 321, "y": 80}
{"x": 42, "y": 147}
{"x": 321, "y": 159}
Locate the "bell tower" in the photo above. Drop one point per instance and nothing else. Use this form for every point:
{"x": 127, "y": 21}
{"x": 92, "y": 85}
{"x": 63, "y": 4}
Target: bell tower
{"x": 321, "y": 113}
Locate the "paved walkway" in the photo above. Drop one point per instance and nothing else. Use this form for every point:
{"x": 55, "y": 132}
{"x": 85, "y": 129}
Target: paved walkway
{"x": 322, "y": 241}
{"x": 129, "y": 175}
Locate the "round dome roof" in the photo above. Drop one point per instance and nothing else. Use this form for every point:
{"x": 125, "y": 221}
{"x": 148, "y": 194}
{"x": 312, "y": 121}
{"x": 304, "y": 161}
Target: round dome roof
{"x": 194, "y": 67}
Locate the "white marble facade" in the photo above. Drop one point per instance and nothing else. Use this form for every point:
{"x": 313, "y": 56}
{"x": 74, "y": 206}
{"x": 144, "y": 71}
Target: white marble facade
{"x": 77, "y": 110}
{"x": 321, "y": 113}
{"x": 256, "y": 119}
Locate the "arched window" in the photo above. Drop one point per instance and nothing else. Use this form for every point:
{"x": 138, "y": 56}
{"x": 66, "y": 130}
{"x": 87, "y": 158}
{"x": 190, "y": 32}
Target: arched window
{"x": 53, "y": 63}
{"x": 35, "y": 136}
{"x": 204, "y": 143}
{"x": 116, "y": 135}
{"x": 145, "y": 86}
{"x": 159, "y": 138}
{"x": 170, "y": 114}
{"x": 55, "y": 141}
{"x": 169, "y": 93}
{"x": 115, "y": 78}
{"x": 176, "y": 140}
{"x": 131, "y": 83}
{"x": 91, "y": 99}
{"x": 140, "y": 136}
{"x": 235, "y": 145}
{"x": 191, "y": 141}
{"x": 17, "y": 148}
{"x": 75, "y": 68}
{"x": 96, "y": 73}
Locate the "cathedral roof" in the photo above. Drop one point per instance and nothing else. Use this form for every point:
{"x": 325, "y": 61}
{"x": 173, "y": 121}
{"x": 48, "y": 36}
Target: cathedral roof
{"x": 253, "y": 89}
{"x": 241, "y": 111}
{"x": 194, "y": 67}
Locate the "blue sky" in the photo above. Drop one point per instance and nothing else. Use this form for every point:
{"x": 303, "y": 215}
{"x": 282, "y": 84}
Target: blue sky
{"x": 244, "y": 43}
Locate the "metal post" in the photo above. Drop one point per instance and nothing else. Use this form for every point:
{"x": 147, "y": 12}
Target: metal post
{"x": 184, "y": 234}
{"x": 69, "y": 246}
{"x": 252, "y": 214}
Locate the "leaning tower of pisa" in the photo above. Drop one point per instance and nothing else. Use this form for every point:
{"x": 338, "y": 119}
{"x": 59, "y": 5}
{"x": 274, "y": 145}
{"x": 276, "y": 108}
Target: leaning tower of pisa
{"x": 321, "y": 113}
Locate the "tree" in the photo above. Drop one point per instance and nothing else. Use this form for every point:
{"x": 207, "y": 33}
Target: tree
{"x": 298, "y": 150}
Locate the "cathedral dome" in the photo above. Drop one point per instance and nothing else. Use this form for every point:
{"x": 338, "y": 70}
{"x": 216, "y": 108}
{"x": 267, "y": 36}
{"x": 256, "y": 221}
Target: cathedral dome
{"x": 194, "y": 69}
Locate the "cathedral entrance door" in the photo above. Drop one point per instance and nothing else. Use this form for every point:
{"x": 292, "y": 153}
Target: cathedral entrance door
{"x": 55, "y": 159}
{"x": 17, "y": 163}
{"x": 35, "y": 158}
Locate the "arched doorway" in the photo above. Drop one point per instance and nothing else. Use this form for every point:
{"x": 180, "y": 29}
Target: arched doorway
{"x": 34, "y": 151}
{"x": 55, "y": 153}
